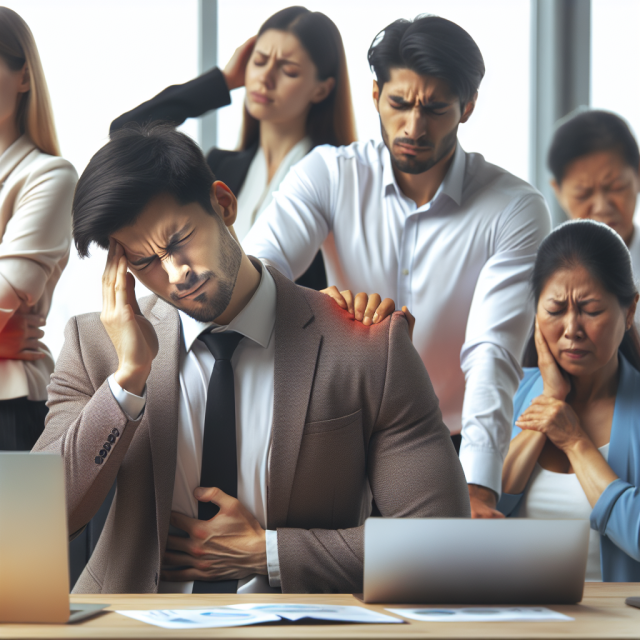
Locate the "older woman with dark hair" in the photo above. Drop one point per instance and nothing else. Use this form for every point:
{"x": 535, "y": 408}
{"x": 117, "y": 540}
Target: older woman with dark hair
{"x": 575, "y": 451}
{"x": 595, "y": 162}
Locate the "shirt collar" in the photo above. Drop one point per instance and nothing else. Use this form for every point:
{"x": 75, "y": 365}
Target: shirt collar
{"x": 255, "y": 321}
{"x": 451, "y": 185}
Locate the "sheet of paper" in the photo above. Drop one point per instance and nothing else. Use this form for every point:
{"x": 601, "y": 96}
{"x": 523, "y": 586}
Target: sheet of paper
{"x": 480, "y": 614}
{"x": 200, "y": 618}
{"x": 296, "y": 611}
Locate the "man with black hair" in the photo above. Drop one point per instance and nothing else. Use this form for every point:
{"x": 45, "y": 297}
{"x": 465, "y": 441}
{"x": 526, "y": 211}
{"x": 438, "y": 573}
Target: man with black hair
{"x": 437, "y": 229}
{"x": 252, "y": 415}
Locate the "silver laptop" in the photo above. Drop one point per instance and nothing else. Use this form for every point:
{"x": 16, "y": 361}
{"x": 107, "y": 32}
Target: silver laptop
{"x": 34, "y": 569}
{"x": 460, "y": 561}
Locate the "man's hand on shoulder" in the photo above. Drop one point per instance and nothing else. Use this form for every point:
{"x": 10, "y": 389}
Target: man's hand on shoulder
{"x": 232, "y": 545}
{"x": 132, "y": 335}
{"x": 368, "y": 309}
{"x": 483, "y": 502}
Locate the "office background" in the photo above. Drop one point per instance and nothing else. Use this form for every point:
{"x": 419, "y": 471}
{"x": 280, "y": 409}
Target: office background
{"x": 543, "y": 58}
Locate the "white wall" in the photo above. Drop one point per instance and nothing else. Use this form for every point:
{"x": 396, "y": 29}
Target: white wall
{"x": 101, "y": 59}
{"x": 499, "y": 128}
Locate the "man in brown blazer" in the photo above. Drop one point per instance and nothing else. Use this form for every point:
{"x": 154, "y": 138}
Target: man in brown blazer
{"x": 324, "y": 412}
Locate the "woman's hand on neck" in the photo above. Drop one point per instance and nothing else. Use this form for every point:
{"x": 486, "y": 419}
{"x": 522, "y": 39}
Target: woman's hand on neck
{"x": 277, "y": 139}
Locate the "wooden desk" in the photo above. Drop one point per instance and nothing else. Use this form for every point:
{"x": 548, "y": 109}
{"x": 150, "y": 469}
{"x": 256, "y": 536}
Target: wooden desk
{"x": 602, "y": 614}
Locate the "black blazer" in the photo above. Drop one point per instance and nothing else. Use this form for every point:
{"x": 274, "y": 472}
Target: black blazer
{"x": 192, "y": 99}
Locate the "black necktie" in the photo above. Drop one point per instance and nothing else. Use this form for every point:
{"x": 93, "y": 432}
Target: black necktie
{"x": 219, "y": 456}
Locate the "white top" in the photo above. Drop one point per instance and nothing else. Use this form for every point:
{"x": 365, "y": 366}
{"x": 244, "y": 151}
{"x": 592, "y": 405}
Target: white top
{"x": 634, "y": 250}
{"x": 461, "y": 264}
{"x": 256, "y": 194}
{"x": 253, "y": 367}
{"x": 36, "y": 191}
{"x": 559, "y": 496}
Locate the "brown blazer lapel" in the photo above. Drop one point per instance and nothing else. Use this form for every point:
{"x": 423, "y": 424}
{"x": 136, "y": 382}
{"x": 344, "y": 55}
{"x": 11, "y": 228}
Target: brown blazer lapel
{"x": 162, "y": 411}
{"x": 297, "y": 344}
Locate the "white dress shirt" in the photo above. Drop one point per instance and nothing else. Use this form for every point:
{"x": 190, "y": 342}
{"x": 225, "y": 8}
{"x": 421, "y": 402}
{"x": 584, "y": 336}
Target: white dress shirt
{"x": 36, "y": 191}
{"x": 560, "y": 496}
{"x": 253, "y": 367}
{"x": 461, "y": 264}
{"x": 256, "y": 192}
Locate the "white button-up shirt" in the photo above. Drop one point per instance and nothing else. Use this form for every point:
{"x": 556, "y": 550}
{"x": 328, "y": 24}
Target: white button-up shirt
{"x": 253, "y": 370}
{"x": 461, "y": 264}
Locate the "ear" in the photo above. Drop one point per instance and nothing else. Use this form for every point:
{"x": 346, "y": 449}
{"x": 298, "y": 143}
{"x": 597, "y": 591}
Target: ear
{"x": 631, "y": 313}
{"x": 468, "y": 108}
{"x": 25, "y": 79}
{"x": 324, "y": 89}
{"x": 376, "y": 95}
{"x": 224, "y": 202}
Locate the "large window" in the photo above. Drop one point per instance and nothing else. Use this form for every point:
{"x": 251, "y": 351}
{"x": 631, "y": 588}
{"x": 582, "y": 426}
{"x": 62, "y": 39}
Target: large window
{"x": 100, "y": 60}
{"x": 499, "y": 129}
{"x": 615, "y": 27}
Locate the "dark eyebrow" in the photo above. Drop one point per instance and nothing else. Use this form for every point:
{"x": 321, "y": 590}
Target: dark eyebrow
{"x": 427, "y": 105}
{"x": 139, "y": 263}
{"x": 581, "y": 302}
{"x": 177, "y": 236}
{"x": 173, "y": 240}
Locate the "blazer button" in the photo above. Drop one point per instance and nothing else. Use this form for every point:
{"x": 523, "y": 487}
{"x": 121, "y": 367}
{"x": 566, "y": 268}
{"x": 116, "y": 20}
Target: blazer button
{"x": 107, "y": 446}
{"x": 103, "y": 453}
{"x": 115, "y": 432}
{"x": 111, "y": 438}
{"x": 99, "y": 460}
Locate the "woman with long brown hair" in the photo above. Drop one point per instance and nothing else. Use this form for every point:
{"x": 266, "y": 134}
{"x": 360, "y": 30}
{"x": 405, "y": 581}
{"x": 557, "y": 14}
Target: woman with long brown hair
{"x": 36, "y": 189}
{"x": 297, "y": 97}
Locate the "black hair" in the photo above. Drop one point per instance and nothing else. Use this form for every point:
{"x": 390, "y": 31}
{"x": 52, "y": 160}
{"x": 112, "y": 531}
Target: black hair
{"x": 589, "y": 132}
{"x": 602, "y": 252}
{"x": 139, "y": 163}
{"x": 429, "y": 46}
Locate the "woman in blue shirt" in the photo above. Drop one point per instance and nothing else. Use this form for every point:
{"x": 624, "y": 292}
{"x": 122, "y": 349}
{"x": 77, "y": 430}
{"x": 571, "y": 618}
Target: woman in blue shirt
{"x": 575, "y": 450}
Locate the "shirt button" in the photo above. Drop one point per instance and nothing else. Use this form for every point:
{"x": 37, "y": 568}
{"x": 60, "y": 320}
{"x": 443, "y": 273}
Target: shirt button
{"x": 405, "y": 272}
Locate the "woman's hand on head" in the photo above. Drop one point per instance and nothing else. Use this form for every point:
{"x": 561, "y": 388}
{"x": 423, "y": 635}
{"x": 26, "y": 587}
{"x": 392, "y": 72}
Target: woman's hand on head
{"x": 555, "y": 419}
{"x": 234, "y": 71}
{"x": 556, "y": 382}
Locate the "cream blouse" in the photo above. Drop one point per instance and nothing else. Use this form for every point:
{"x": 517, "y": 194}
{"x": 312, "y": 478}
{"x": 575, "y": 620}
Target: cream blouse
{"x": 36, "y": 192}
{"x": 256, "y": 193}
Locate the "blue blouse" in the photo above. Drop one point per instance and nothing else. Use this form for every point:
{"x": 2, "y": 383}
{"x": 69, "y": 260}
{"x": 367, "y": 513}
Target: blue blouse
{"x": 616, "y": 515}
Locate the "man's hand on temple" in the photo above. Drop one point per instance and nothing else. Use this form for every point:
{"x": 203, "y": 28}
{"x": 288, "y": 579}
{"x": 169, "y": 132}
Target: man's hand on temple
{"x": 132, "y": 335}
{"x": 20, "y": 337}
{"x": 232, "y": 545}
{"x": 483, "y": 502}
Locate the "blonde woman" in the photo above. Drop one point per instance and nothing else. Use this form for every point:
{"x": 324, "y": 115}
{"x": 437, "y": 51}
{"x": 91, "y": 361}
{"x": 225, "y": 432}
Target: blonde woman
{"x": 36, "y": 189}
